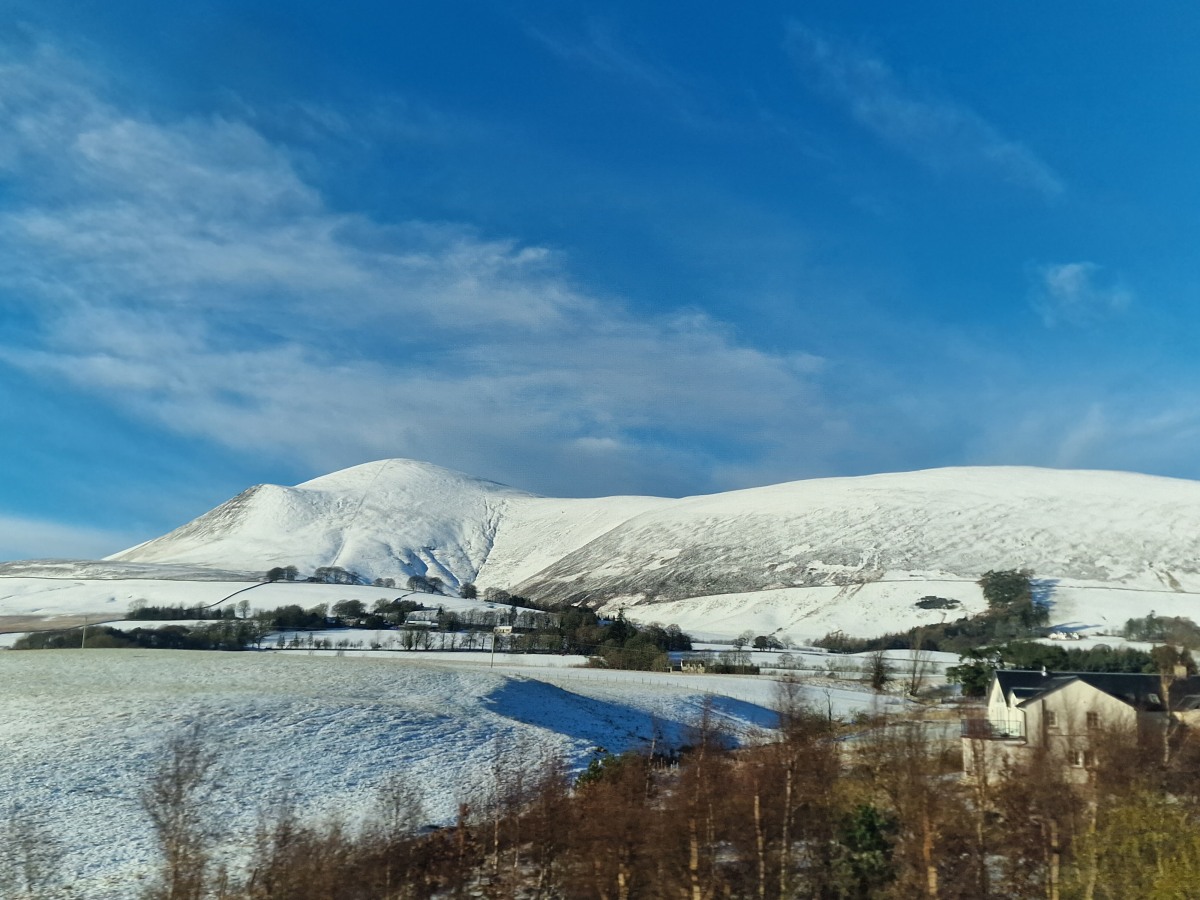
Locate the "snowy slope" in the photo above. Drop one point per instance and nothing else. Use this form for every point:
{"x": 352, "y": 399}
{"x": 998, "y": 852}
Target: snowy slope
{"x": 1094, "y": 526}
{"x": 537, "y": 533}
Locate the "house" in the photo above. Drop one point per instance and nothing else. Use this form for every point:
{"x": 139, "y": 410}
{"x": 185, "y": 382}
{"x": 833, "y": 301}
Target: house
{"x": 688, "y": 663}
{"x": 1066, "y": 714}
{"x": 422, "y": 618}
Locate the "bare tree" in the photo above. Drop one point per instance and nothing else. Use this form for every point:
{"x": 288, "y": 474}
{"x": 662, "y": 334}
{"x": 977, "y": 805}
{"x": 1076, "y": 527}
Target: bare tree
{"x": 878, "y": 672}
{"x": 400, "y": 811}
{"x": 29, "y": 858}
{"x": 176, "y": 802}
{"x": 922, "y": 663}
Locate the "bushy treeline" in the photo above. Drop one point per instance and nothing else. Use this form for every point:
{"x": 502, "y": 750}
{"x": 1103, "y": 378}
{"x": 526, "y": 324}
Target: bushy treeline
{"x": 1178, "y": 630}
{"x": 807, "y": 814}
{"x": 958, "y": 636}
{"x": 1100, "y": 658}
{"x": 974, "y": 673}
{"x": 178, "y": 611}
{"x": 618, "y": 643}
{"x": 226, "y": 634}
{"x": 427, "y": 584}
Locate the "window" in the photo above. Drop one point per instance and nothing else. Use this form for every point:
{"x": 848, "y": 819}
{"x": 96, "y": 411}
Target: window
{"x": 1083, "y": 759}
{"x": 1051, "y": 719}
{"x": 1093, "y": 720}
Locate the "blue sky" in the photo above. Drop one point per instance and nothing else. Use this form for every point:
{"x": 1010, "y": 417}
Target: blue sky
{"x": 584, "y": 248}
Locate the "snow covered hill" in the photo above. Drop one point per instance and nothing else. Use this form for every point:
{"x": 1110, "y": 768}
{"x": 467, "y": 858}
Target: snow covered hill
{"x": 1096, "y": 526}
{"x": 807, "y": 551}
{"x": 390, "y": 518}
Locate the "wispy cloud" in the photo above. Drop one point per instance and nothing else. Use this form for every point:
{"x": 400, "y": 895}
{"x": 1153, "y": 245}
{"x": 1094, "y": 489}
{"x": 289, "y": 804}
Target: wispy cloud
{"x": 938, "y": 132}
{"x": 185, "y": 271}
{"x": 601, "y": 50}
{"x": 24, "y": 538}
{"x": 1069, "y": 427}
{"x": 1076, "y": 294}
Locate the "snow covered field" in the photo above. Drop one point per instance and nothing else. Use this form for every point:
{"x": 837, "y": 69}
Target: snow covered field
{"x": 874, "y": 608}
{"x": 81, "y": 731}
{"x": 808, "y": 613}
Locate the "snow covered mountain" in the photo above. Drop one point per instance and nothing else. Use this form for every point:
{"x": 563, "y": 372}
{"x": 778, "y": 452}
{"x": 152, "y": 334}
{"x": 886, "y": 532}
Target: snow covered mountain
{"x": 1094, "y": 526}
{"x": 396, "y": 518}
{"x": 392, "y": 518}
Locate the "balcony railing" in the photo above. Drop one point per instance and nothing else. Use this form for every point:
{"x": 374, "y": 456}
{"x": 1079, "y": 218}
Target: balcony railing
{"x": 993, "y": 729}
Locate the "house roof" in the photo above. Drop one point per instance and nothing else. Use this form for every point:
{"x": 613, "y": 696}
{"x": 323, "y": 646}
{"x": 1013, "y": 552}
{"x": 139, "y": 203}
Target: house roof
{"x": 1139, "y": 690}
{"x": 1023, "y": 680}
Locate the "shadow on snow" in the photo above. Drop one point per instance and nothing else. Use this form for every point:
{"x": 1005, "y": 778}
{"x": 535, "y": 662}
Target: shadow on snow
{"x": 615, "y": 726}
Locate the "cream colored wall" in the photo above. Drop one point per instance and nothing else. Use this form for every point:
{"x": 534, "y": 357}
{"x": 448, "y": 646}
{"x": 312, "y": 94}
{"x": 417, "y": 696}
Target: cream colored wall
{"x": 1071, "y": 732}
{"x": 999, "y": 711}
{"x": 989, "y": 759}
{"x": 997, "y": 708}
{"x": 1072, "y": 704}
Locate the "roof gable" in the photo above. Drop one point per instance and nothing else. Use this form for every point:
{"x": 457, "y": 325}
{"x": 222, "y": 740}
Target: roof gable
{"x": 1143, "y": 691}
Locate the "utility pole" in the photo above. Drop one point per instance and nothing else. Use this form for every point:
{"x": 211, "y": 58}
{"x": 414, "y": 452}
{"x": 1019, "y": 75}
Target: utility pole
{"x": 83, "y": 640}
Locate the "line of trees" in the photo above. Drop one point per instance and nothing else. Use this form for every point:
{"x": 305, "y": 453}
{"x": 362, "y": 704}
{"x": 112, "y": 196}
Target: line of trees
{"x": 975, "y": 670}
{"x": 225, "y": 634}
{"x": 428, "y": 584}
{"x": 616, "y": 643}
{"x": 142, "y": 611}
{"x": 1178, "y": 630}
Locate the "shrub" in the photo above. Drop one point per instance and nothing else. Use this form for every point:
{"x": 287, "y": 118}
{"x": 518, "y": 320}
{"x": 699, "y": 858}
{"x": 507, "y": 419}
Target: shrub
{"x": 931, "y": 602}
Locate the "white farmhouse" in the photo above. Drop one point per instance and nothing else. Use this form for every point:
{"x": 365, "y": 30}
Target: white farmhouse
{"x": 1065, "y": 715}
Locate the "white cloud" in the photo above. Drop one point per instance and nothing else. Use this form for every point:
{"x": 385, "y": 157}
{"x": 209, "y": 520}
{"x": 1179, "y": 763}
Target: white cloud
{"x": 1074, "y": 294}
{"x": 184, "y": 271}
{"x": 939, "y": 133}
{"x": 24, "y": 538}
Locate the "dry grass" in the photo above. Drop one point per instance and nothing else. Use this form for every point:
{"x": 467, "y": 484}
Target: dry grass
{"x": 11, "y": 624}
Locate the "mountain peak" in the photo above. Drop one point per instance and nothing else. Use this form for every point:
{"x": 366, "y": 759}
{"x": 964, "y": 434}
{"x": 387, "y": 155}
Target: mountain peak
{"x": 400, "y": 472}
